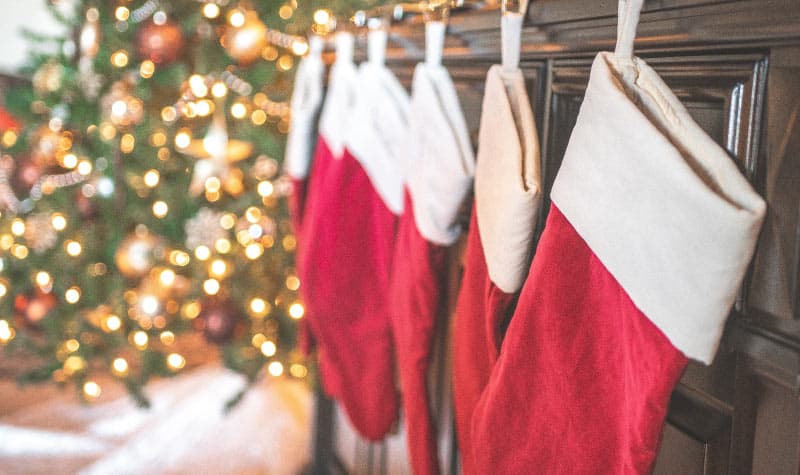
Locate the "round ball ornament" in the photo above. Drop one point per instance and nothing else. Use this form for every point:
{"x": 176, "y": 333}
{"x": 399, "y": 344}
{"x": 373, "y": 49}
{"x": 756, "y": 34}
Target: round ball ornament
{"x": 160, "y": 43}
{"x": 244, "y": 43}
{"x": 136, "y": 255}
{"x": 221, "y": 320}
{"x": 30, "y": 309}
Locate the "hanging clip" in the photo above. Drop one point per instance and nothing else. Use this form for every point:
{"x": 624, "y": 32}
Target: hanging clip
{"x": 513, "y": 16}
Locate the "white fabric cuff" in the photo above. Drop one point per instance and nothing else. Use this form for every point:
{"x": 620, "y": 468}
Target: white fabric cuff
{"x": 662, "y": 205}
{"x": 341, "y": 96}
{"x": 306, "y": 102}
{"x": 442, "y": 164}
{"x": 378, "y": 131}
{"x": 507, "y": 178}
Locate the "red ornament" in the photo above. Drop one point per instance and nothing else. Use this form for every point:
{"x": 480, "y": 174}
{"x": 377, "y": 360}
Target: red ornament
{"x": 31, "y": 309}
{"x": 160, "y": 44}
{"x": 221, "y": 320}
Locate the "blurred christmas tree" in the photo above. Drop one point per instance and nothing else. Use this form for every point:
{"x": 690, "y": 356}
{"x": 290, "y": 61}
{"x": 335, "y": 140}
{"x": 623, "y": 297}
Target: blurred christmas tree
{"x": 140, "y": 192}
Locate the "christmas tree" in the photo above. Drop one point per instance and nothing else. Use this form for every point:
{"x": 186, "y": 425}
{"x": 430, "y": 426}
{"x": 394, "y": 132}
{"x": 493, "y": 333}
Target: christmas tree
{"x": 141, "y": 193}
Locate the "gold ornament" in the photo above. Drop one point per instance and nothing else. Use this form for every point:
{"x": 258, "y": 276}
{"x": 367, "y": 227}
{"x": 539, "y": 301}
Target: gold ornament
{"x": 47, "y": 78}
{"x": 245, "y": 42}
{"x": 121, "y": 107}
{"x": 136, "y": 255}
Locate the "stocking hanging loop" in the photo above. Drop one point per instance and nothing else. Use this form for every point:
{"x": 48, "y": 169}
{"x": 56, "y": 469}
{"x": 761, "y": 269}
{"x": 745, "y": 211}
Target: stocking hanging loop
{"x": 513, "y": 15}
{"x": 628, "y": 19}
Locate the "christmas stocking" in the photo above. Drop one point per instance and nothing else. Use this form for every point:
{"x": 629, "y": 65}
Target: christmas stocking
{"x": 353, "y": 220}
{"x": 649, "y": 235}
{"x": 507, "y": 198}
{"x": 306, "y": 103}
{"x": 438, "y": 179}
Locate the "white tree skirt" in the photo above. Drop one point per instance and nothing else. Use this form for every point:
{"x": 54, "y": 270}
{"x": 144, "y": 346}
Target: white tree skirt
{"x": 184, "y": 432}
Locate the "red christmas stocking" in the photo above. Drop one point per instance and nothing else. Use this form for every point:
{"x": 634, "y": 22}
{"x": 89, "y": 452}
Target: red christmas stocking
{"x": 438, "y": 179}
{"x": 649, "y": 235}
{"x": 507, "y": 198}
{"x": 306, "y": 102}
{"x": 353, "y": 220}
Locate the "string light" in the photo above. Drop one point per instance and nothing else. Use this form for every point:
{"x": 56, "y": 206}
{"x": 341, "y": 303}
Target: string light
{"x": 120, "y": 367}
{"x": 122, "y": 13}
{"x": 298, "y": 371}
{"x": 197, "y": 84}
{"x": 147, "y": 68}
{"x": 43, "y": 279}
{"x": 258, "y": 307}
{"x": 151, "y": 178}
{"x": 18, "y": 227}
{"x": 218, "y": 268}
{"x": 140, "y": 340}
{"x": 275, "y": 368}
{"x": 167, "y": 277}
{"x": 72, "y": 295}
{"x": 179, "y": 258}
{"x": 223, "y": 246}
{"x": 236, "y": 18}
{"x": 167, "y": 338}
{"x": 160, "y": 209}
{"x": 72, "y": 345}
{"x": 112, "y": 323}
{"x": 69, "y": 161}
{"x": 253, "y": 251}
{"x": 119, "y": 58}
{"x": 58, "y": 221}
{"x": 296, "y": 310}
{"x": 182, "y": 139}
{"x": 292, "y": 282}
{"x": 268, "y": 348}
{"x": 210, "y": 10}
{"x": 202, "y": 253}
{"x": 211, "y": 286}
{"x": 322, "y": 16}
{"x": 3, "y": 289}
{"x": 238, "y": 110}
{"x": 73, "y": 248}
{"x": 219, "y": 89}
{"x": 92, "y": 390}
{"x": 175, "y": 361}
{"x": 7, "y": 332}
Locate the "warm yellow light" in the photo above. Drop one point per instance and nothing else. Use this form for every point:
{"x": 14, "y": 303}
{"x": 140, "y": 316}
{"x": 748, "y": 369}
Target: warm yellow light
{"x": 169, "y": 114}
{"x": 182, "y": 139}
{"x": 92, "y": 390}
{"x": 236, "y": 18}
{"x": 223, "y": 246}
{"x": 127, "y": 143}
{"x": 3, "y": 289}
{"x": 197, "y": 84}
{"x": 296, "y": 310}
{"x": 167, "y": 337}
{"x": 72, "y": 345}
{"x": 258, "y": 340}
{"x": 167, "y": 277}
{"x": 285, "y": 12}
{"x": 253, "y": 251}
{"x": 7, "y": 332}
{"x": 179, "y": 258}
{"x": 74, "y": 364}
{"x": 289, "y": 242}
{"x": 140, "y": 339}
{"x": 18, "y": 227}
{"x": 292, "y": 282}
{"x": 227, "y": 221}
{"x": 6, "y": 241}
{"x": 112, "y": 323}
{"x": 238, "y": 110}
{"x": 211, "y": 286}
{"x": 70, "y": 161}
{"x": 298, "y": 371}
{"x": 84, "y": 167}
{"x": 9, "y": 138}
{"x": 299, "y": 47}
{"x": 147, "y": 68}
{"x": 218, "y": 268}
{"x": 210, "y": 10}
{"x": 160, "y": 209}
{"x": 175, "y": 361}
{"x": 202, "y": 253}
{"x": 212, "y": 184}
{"x": 275, "y": 368}
{"x": 253, "y": 214}
{"x": 191, "y": 310}
{"x": 43, "y": 279}
{"x": 73, "y": 248}
{"x": 285, "y": 62}
{"x": 265, "y": 188}
{"x": 258, "y": 306}
{"x": 203, "y": 108}
{"x": 151, "y": 178}
{"x": 120, "y": 58}
{"x": 72, "y": 295}
{"x": 219, "y": 89}
{"x": 258, "y": 117}
{"x": 120, "y": 367}
{"x": 268, "y": 348}
{"x": 122, "y": 13}
{"x": 149, "y": 305}
{"x": 58, "y": 221}
{"x": 19, "y": 251}
{"x": 322, "y": 16}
